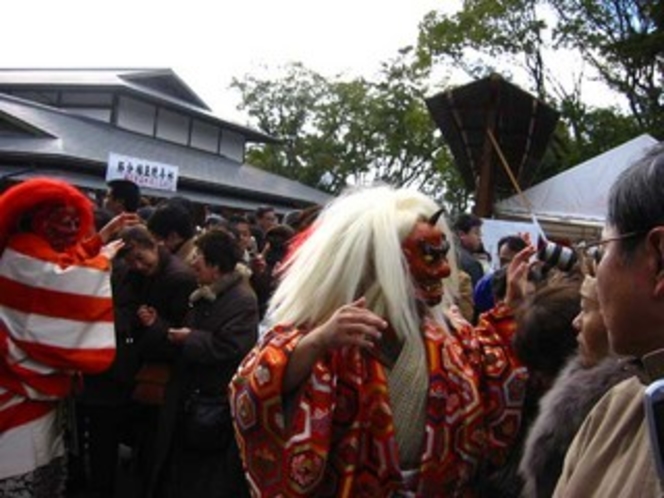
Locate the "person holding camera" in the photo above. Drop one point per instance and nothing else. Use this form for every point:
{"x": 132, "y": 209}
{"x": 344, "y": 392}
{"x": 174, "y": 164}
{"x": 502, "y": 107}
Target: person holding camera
{"x": 611, "y": 453}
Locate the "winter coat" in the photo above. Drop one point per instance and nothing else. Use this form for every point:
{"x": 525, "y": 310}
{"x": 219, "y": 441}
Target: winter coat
{"x": 562, "y": 411}
{"x": 224, "y": 327}
{"x": 168, "y": 291}
{"x": 611, "y": 454}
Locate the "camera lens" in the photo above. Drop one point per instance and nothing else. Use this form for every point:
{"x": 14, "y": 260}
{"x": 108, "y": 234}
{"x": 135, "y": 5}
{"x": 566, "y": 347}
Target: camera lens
{"x": 556, "y": 255}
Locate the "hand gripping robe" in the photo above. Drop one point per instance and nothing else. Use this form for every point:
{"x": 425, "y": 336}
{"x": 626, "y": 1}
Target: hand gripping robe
{"x": 56, "y": 319}
{"x": 350, "y": 429}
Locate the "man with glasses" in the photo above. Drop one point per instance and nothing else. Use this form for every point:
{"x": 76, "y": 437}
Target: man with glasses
{"x": 611, "y": 454}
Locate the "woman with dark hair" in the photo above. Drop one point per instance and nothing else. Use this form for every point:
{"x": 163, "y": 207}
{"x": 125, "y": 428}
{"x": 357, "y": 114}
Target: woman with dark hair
{"x": 544, "y": 341}
{"x": 588, "y": 375}
{"x": 220, "y": 329}
{"x": 545, "y": 336}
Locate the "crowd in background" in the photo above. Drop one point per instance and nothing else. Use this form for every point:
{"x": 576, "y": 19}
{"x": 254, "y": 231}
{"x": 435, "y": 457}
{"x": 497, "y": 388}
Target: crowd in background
{"x": 385, "y": 332}
{"x": 190, "y": 288}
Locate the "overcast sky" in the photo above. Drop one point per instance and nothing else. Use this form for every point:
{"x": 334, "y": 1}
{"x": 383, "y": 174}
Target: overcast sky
{"x": 209, "y": 42}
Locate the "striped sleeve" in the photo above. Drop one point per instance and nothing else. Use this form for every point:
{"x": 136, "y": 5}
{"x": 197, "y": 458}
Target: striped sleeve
{"x": 60, "y": 315}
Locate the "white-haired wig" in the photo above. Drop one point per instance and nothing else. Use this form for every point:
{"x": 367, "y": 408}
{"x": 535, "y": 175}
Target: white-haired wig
{"x": 354, "y": 250}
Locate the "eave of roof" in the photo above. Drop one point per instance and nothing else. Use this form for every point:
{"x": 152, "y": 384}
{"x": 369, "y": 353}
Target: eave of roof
{"x": 521, "y": 124}
{"x": 85, "y": 140}
{"x": 129, "y": 80}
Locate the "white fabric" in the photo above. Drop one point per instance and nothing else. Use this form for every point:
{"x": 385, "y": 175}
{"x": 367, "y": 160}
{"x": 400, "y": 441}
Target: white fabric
{"x": 29, "y": 446}
{"x": 59, "y": 332}
{"x": 41, "y": 274}
{"x": 580, "y": 193}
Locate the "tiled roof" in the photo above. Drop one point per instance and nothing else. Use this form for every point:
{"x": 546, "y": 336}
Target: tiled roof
{"x": 88, "y": 143}
{"x": 159, "y": 85}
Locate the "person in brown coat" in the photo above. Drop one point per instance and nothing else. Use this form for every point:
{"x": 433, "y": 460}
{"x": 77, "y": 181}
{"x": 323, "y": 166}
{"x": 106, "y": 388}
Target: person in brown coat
{"x": 220, "y": 329}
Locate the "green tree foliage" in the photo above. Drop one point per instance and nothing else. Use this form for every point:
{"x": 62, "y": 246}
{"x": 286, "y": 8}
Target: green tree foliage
{"x": 487, "y": 36}
{"x": 340, "y": 131}
{"x": 624, "y": 41}
{"x": 510, "y": 36}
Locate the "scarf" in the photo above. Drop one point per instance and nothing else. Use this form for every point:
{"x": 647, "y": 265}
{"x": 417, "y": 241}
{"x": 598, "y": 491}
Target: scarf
{"x": 408, "y": 382}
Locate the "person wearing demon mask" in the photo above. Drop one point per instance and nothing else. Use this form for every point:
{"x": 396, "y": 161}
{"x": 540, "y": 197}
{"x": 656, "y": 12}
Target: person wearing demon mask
{"x": 56, "y": 319}
{"x": 367, "y": 383}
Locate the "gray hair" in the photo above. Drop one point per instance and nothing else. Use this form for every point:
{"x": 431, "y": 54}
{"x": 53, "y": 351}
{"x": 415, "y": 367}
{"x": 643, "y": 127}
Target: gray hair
{"x": 636, "y": 199}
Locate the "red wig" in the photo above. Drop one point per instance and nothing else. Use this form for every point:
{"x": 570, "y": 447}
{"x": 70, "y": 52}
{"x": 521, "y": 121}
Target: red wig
{"x": 23, "y": 198}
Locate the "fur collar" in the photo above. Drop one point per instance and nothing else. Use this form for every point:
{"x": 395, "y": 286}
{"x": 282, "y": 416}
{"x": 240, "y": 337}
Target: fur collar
{"x": 562, "y": 411}
{"x": 211, "y": 292}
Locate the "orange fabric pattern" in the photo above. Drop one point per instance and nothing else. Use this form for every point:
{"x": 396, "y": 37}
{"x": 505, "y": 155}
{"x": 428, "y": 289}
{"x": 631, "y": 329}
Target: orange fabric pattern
{"x": 335, "y": 436}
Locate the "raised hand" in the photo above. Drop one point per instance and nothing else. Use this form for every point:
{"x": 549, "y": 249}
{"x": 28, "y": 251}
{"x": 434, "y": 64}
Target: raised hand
{"x": 517, "y": 276}
{"x": 113, "y": 227}
{"x": 351, "y": 325}
{"x": 111, "y": 249}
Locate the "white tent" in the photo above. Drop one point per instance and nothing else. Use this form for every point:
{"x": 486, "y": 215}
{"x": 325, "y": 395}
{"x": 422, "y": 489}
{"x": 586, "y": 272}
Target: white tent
{"x": 576, "y": 197}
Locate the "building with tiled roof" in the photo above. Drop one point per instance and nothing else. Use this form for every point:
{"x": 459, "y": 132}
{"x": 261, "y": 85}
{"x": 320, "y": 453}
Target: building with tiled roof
{"x": 68, "y": 123}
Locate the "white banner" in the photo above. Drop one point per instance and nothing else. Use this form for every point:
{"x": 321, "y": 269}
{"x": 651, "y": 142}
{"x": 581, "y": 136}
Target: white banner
{"x": 142, "y": 172}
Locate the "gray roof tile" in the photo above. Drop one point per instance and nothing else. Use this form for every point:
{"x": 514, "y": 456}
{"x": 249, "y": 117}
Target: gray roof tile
{"x": 89, "y": 141}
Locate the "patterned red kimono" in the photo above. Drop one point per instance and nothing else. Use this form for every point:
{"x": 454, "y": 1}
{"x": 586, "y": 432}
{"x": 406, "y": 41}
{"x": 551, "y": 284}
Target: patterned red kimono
{"x": 335, "y": 435}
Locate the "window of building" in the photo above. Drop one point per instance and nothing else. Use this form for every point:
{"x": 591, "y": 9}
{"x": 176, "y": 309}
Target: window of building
{"x": 86, "y": 99}
{"x": 135, "y": 115}
{"x": 97, "y": 113}
{"x": 204, "y": 136}
{"x": 232, "y": 145}
{"x": 43, "y": 97}
{"x": 173, "y": 126}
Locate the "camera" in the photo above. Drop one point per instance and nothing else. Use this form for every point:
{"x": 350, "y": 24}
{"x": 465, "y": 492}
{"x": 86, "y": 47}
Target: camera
{"x": 562, "y": 257}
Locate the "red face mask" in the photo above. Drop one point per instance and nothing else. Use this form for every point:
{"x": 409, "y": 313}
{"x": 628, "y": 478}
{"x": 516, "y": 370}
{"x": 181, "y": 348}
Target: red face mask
{"x": 59, "y": 225}
{"x": 426, "y": 251}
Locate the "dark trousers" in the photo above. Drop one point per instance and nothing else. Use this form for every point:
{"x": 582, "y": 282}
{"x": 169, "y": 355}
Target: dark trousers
{"x": 101, "y": 430}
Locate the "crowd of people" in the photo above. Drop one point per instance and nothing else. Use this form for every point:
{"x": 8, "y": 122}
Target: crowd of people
{"x": 365, "y": 348}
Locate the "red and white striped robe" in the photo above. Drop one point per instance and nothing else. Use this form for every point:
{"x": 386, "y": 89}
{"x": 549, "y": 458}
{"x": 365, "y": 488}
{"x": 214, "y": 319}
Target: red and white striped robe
{"x": 56, "y": 319}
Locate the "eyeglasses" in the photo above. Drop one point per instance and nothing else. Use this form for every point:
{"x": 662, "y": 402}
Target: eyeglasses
{"x": 595, "y": 248}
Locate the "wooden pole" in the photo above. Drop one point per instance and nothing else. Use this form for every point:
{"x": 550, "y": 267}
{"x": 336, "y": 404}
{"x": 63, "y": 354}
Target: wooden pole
{"x": 515, "y": 183}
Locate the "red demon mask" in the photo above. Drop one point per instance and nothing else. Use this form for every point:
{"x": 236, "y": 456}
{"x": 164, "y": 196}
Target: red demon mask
{"x": 426, "y": 251}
